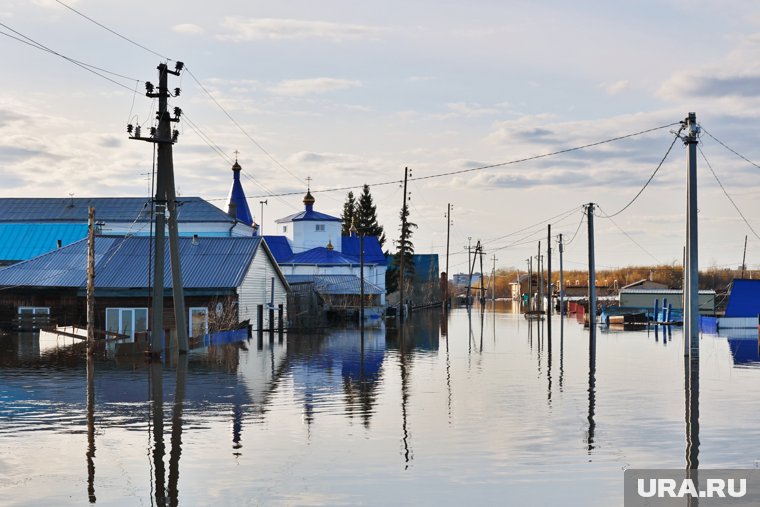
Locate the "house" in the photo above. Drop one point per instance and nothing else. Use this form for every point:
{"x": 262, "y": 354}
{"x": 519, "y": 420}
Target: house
{"x": 225, "y": 280}
{"x": 645, "y": 298}
{"x": 644, "y": 284}
{"x": 32, "y": 226}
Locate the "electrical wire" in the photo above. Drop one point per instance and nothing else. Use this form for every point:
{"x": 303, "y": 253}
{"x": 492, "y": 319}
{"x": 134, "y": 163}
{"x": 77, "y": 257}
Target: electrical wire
{"x": 633, "y": 240}
{"x": 729, "y": 148}
{"x": 114, "y": 32}
{"x": 564, "y": 215}
{"x": 675, "y": 138}
{"x": 235, "y": 122}
{"x": 583, "y": 217}
{"x": 726, "y": 193}
{"x": 86, "y": 66}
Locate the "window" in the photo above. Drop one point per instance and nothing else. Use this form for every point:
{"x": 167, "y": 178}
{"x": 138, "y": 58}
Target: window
{"x": 33, "y": 310}
{"x": 198, "y": 321}
{"x": 127, "y": 321}
{"x": 284, "y": 228}
{"x": 320, "y": 227}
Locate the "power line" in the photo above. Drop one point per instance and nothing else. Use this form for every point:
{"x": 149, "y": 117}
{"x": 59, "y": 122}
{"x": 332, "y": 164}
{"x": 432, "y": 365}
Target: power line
{"x": 631, "y": 238}
{"x": 675, "y": 138}
{"x": 256, "y": 143}
{"x": 114, "y": 32}
{"x": 542, "y": 222}
{"x": 730, "y": 149}
{"x": 86, "y": 66}
{"x": 726, "y": 193}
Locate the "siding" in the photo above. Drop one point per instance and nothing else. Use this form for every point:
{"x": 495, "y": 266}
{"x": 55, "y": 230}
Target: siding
{"x": 256, "y": 287}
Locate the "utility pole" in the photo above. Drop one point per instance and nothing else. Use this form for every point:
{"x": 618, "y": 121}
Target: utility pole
{"x": 530, "y": 281}
{"x": 549, "y": 278}
{"x": 540, "y": 304}
{"x": 469, "y": 269}
{"x": 448, "y": 237}
{"x": 744, "y": 257}
{"x": 361, "y": 285}
{"x": 493, "y": 278}
{"x": 165, "y": 200}
{"x": 482, "y": 294}
{"x": 691, "y": 270}
{"x": 591, "y": 271}
{"x": 402, "y": 245}
{"x": 90, "y": 280}
{"x": 561, "y": 278}
{"x": 261, "y": 225}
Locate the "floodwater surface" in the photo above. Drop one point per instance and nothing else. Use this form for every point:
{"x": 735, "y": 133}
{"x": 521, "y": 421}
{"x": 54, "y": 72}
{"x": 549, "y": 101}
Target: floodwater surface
{"x": 483, "y": 408}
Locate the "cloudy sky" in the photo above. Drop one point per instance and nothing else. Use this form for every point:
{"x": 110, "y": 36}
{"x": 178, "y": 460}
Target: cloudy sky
{"x": 352, "y": 92}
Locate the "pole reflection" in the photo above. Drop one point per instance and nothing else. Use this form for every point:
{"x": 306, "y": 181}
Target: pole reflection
{"x": 176, "y": 444}
{"x": 404, "y": 395}
{"x": 157, "y": 418}
{"x": 91, "y": 429}
{"x": 591, "y": 389}
{"x": 691, "y": 397}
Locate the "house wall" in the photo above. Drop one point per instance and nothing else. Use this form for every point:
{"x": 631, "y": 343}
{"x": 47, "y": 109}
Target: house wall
{"x": 306, "y": 236}
{"x": 256, "y": 289}
{"x": 646, "y": 300}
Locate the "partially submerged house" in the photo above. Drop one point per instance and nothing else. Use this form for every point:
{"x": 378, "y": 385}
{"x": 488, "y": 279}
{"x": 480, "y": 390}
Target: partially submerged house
{"x": 225, "y": 279}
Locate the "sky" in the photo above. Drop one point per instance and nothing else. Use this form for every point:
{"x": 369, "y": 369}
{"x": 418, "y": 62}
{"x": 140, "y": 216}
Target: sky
{"x": 347, "y": 93}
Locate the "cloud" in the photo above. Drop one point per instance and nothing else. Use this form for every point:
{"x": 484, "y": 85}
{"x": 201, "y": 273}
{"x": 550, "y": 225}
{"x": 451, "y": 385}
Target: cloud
{"x": 188, "y": 29}
{"x": 312, "y": 86}
{"x": 616, "y": 88}
{"x": 243, "y": 30}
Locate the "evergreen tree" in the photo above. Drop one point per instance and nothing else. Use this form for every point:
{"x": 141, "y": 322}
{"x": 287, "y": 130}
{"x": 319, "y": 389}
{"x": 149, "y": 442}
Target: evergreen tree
{"x": 349, "y": 214}
{"x": 366, "y": 217}
{"x": 405, "y": 239}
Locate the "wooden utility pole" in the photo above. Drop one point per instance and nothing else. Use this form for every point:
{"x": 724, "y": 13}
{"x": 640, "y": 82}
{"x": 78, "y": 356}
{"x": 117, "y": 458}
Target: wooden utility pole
{"x": 540, "y": 302}
{"x": 691, "y": 270}
{"x": 469, "y": 269}
{"x": 165, "y": 200}
{"x": 361, "y": 285}
{"x": 482, "y": 294}
{"x": 403, "y": 248}
{"x": 448, "y": 237}
{"x": 530, "y": 282}
{"x": 744, "y": 256}
{"x": 493, "y": 278}
{"x": 90, "y": 280}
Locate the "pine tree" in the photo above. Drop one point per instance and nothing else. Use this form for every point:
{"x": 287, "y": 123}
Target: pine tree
{"x": 405, "y": 239}
{"x": 366, "y": 217}
{"x": 349, "y": 214}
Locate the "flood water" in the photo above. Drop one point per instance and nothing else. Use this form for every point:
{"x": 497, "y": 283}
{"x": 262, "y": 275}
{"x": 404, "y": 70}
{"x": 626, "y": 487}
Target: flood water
{"x": 481, "y": 409}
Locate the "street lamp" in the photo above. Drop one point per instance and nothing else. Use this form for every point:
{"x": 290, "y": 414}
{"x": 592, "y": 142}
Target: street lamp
{"x": 261, "y": 226}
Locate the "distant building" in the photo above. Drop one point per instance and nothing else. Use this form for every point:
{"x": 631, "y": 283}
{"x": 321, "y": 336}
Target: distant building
{"x": 460, "y": 279}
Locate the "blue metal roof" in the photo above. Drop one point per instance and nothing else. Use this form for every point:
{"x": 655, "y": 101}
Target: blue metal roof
{"x": 321, "y": 255}
{"x": 744, "y": 300}
{"x": 373, "y": 252}
{"x": 19, "y": 242}
{"x": 279, "y": 247}
{"x": 113, "y": 209}
{"x": 212, "y": 263}
{"x": 336, "y": 284}
{"x": 308, "y": 215}
{"x": 237, "y": 197}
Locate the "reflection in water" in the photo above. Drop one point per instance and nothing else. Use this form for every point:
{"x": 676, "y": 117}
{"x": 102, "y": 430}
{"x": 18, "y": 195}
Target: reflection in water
{"x": 561, "y": 351}
{"x": 591, "y": 389}
{"x": 157, "y": 419}
{"x": 691, "y": 389}
{"x": 91, "y": 428}
{"x": 176, "y": 450}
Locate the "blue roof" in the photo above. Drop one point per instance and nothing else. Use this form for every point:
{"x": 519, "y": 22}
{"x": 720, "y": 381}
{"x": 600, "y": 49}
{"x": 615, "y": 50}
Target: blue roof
{"x": 19, "y": 242}
{"x": 373, "y": 252}
{"x": 744, "y": 300}
{"x": 308, "y": 215}
{"x": 237, "y": 197}
{"x": 279, "y": 247}
{"x": 321, "y": 255}
{"x": 336, "y": 284}
{"x": 212, "y": 263}
{"x": 113, "y": 209}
